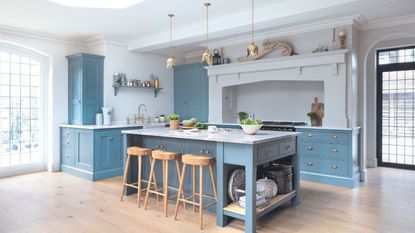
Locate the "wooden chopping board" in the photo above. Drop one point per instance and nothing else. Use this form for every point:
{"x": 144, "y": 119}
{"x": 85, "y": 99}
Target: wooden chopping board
{"x": 318, "y": 108}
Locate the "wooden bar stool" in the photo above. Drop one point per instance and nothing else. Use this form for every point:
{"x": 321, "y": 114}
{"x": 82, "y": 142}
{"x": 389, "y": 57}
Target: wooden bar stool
{"x": 201, "y": 161}
{"x": 165, "y": 157}
{"x": 139, "y": 152}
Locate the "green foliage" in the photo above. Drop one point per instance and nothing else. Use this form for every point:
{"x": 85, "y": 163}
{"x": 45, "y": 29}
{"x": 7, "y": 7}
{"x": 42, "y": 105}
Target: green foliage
{"x": 189, "y": 123}
{"x": 242, "y": 115}
{"x": 200, "y": 125}
{"x": 312, "y": 115}
{"x": 173, "y": 117}
{"x": 251, "y": 121}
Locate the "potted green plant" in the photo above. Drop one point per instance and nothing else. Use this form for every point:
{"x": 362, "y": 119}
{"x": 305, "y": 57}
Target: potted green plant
{"x": 313, "y": 118}
{"x": 251, "y": 125}
{"x": 174, "y": 121}
{"x": 242, "y": 115}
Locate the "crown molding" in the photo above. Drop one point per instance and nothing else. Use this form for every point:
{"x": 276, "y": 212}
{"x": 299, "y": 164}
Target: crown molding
{"x": 389, "y": 22}
{"x": 355, "y": 20}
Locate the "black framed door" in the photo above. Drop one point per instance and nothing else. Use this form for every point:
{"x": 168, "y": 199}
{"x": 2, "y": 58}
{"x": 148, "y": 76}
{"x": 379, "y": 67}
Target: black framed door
{"x": 396, "y": 107}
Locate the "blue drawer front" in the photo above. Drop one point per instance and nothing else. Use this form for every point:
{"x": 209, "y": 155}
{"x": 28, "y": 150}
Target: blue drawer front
{"x": 334, "y": 151}
{"x": 332, "y": 167}
{"x": 310, "y": 164}
{"x": 335, "y": 137}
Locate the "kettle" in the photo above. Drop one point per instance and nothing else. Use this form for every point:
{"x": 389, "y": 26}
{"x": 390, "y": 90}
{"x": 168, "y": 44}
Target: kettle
{"x": 107, "y": 114}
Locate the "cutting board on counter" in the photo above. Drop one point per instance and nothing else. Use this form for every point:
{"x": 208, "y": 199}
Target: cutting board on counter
{"x": 318, "y": 108}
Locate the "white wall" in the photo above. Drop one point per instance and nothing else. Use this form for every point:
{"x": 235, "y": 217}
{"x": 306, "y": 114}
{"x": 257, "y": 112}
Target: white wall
{"x": 370, "y": 41}
{"x": 55, "y": 52}
{"x": 274, "y": 100}
{"x": 136, "y": 66}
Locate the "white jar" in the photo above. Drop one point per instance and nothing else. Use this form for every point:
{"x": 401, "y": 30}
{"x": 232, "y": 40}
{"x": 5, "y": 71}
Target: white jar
{"x": 98, "y": 119}
{"x": 156, "y": 120}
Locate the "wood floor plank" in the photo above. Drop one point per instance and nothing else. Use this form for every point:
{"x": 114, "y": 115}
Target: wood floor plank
{"x": 60, "y": 203}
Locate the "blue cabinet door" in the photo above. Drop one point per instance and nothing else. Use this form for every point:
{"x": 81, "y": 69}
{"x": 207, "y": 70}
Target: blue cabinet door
{"x": 107, "y": 149}
{"x": 191, "y": 87}
{"x": 75, "y": 92}
{"x": 85, "y": 79}
{"x": 84, "y": 149}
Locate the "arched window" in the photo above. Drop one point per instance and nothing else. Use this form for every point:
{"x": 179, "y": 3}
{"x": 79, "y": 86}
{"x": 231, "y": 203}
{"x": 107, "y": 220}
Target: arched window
{"x": 21, "y": 111}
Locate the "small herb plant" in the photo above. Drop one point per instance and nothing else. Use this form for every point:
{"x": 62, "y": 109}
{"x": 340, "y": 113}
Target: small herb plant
{"x": 251, "y": 121}
{"x": 312, "y": 115}
{"x": 200, "y": 125}
{"x": 174, "y": 117}
{"x": 242, "y": 115}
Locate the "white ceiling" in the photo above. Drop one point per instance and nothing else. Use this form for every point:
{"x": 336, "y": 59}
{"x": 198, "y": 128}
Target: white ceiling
{"x": 145, "y": 26}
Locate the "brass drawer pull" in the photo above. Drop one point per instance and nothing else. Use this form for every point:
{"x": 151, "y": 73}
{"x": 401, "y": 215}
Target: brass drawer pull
{"x": 334, "y": 136}
{"x": 310, "y": 135}
{"x": 334, "y": 166}
{"x": 68, "y": 142}
{"x": 110, "y": 138}
{"x": 287, "y": 147}
{"x": 67, "y": 156}
{"x": 310, "y": 148}
{"x": 334, "y": 150}
{"x": 310, "y": 164}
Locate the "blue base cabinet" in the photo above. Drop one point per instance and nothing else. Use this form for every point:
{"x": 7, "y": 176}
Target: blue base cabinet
{"x": 85, "y": 87}
{"x": 329, "y": 156}
{"x": 93, "y": 154}
{"x": 191, "y": 91}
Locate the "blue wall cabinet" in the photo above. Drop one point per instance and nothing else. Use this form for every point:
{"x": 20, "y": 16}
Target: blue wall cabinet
{"x": 191, "y": 91}
{"x": 329, "y": 156}
{"x": 85, "y": 82}
{"x": 92, "y": 154}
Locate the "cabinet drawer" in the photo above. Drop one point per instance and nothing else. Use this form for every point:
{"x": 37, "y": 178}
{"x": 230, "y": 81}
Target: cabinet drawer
{"x": 310, "y": 148}
{"x": 334, "y": 151}
{"x": 287, "y": 147}
{"x": 309, "y": 164}
{"x": 309, "y": 135}
{"x": 333, "y": 167}
{"x": 67, "y": 157}
{"x": 267, "y": 153}
{"x": 67, "y": 137}
{"x": 334, "y": 137}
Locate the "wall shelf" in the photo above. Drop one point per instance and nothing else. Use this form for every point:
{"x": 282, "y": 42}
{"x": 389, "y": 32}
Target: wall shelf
{"x": 118, "y": 87}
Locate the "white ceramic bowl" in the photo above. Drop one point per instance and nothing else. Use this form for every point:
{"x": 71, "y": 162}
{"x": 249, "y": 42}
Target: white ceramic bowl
{"x": 251, "y": 129}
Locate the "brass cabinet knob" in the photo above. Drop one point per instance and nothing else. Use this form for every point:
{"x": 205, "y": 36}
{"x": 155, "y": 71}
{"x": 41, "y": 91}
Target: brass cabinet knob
{"x": 161, "y": 146}
{"x": 334, "y": 136}
{"x": 67, "y": 156}
{"x": 334, "y": 150}
{"x": 309, "y": 163}
{"x": 110, "y": 138}
{"x": 67, "y": 133}
{"x": 334, "y": 166}
{"x": 310, "y": 135}
{"x": 310, "y": 148}
{"x": 68, "y": 142}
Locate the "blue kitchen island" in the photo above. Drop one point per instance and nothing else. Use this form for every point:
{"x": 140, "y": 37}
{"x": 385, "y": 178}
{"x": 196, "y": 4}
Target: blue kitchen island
{"x": 232, "y": 149}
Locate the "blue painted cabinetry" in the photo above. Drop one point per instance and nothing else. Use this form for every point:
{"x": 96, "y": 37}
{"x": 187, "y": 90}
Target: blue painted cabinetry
{"x": 191, "y": 91}
{"x": 330, "y": 156}
{"x": 92, "y": 154}
{"x": 85, "y": 82}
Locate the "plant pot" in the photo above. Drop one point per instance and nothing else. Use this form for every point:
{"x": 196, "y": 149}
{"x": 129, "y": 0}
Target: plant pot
{"x": 251, "y": 129}
{"x": 174, "y": 125}
{"x": 314, "y": 122}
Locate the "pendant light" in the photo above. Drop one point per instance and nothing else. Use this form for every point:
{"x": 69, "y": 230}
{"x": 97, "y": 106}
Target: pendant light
{"x": 252, "y": 48}
{"x": 207, "y": 56}
{"x": 170, "y": 61}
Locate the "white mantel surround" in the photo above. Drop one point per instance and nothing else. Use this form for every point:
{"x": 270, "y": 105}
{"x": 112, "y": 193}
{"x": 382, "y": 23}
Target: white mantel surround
{"x": 327, "y": 67}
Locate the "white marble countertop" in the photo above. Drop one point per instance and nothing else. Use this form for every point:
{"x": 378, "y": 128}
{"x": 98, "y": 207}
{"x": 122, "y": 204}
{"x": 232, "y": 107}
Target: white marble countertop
{"x": 223, "y": 135}
{"x": 115, "y": 126}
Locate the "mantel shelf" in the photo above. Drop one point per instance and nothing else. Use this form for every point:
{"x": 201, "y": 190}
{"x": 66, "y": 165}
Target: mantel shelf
{"x": 118, "y": 87}
{"x": 296, "y": 61}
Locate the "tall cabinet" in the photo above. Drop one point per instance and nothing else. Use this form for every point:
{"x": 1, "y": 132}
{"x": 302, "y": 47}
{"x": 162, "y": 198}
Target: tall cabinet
{"x": 86, "y": 73}
{"x": 191, "y": 91}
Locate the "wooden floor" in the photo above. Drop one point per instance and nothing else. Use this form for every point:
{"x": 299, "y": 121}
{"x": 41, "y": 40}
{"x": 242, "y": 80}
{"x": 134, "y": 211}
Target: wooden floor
{"x": 56, "y": 202}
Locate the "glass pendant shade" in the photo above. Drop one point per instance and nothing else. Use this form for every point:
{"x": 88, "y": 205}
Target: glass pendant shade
{"x": 252, "y": 49}
{"x": 170, "y": 62}
{"x": 207, "y": 57}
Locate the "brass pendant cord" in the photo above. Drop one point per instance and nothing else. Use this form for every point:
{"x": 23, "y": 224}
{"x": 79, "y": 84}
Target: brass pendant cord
{"x": 252, "y": 32}
{"x": 171, "y": 35}
{"x": 207, "y": 25}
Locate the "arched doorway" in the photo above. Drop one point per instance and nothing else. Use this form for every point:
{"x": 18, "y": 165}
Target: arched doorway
{"x": 22, "y": 110}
